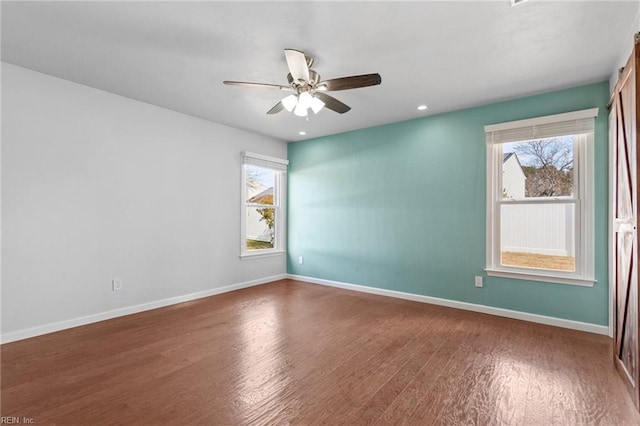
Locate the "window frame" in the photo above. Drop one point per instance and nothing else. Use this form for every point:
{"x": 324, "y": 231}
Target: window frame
{"x": 581, "y": 125}
{"x": 279, "y": 167}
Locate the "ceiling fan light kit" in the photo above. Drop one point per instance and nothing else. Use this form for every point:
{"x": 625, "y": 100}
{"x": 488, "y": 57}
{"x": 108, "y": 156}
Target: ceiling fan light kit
{"x": 316, "y": 105}
{"x": 308, "y": 89}
{"x": 290, "y": 102}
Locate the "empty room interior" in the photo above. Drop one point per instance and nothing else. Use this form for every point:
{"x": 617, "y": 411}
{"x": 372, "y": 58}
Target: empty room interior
{"x": 234, "y": 213}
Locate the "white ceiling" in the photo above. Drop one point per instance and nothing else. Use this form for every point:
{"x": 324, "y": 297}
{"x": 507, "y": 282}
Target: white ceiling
{"x": 449, "y": 55}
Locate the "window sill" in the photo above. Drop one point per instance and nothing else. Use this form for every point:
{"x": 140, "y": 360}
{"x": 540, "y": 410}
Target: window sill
{"x": 261, "y": 253}
{"x": 549, "y": 278}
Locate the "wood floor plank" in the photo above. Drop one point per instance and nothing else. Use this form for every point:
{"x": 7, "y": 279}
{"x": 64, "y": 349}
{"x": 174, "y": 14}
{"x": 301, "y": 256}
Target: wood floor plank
{"x": 478, "y": 401}
{"x": 501, "y": 399}
{"x": 289, "y": 352}
{"x": 419, "y": 392}
{"x": 427, "y": 344}
{"x": 448, "y": 396}
{"x": 412, "y": 344}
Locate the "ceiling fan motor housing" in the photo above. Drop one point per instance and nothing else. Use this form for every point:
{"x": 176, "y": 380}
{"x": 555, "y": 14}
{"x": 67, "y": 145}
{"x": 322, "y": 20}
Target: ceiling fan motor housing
{"x": 314, "y": 78}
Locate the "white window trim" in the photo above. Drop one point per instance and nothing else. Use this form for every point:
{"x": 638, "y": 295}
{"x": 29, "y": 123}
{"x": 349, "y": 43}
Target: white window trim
{"x": 280, "y": 197}
{"x": 580, "y": 123}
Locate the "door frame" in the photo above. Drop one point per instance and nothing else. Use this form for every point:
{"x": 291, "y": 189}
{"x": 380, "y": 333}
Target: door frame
{"x": 612, "y": 234}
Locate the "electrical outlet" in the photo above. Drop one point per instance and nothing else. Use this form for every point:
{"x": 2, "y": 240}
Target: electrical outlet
{"x": 116, "y": 284}
{"x": 300, "y": 260}
{"x": 478, "y": 281}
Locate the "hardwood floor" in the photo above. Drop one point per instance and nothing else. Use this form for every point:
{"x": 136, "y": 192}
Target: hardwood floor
{"x": 296, "y": 353}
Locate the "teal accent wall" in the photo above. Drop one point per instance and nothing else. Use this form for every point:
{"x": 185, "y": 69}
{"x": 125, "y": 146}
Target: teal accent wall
{"x": 403, "y": 207}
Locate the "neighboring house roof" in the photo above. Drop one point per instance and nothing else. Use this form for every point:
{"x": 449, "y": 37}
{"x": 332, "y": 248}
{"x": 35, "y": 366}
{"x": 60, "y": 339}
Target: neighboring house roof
{"x": 260, "y": 196}
{"x": 513, "y": 177}
{"x": 505, "y": 157}
{"x": 508, "y": 155}
{"x": 255, "y": 188}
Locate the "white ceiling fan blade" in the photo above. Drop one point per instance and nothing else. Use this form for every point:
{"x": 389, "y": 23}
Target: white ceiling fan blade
{"x": 297, "y": 63}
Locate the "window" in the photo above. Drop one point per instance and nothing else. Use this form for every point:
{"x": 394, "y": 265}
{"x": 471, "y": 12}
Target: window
{"x": 262, "y": 199}
{"x": 540, "y": 198}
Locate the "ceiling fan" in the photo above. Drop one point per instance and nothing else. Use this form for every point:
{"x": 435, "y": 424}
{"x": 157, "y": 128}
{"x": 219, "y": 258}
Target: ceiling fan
{"x": 308, "y": 90}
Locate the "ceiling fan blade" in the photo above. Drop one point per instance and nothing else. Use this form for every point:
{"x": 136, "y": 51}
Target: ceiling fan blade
{"x": 257, "y": 85}
{"x": 352, "y": 82}
{"x": 297, "y": 63}
{"x": 332, "y": 103}
{"x": 276, "y": 108}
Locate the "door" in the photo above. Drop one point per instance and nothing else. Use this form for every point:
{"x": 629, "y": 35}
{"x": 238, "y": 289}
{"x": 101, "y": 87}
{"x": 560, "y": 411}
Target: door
{"x": 623, "y": 135}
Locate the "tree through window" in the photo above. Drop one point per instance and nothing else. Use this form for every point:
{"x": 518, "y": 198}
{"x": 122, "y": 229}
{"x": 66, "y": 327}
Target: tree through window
{"x": 547, "y": 165}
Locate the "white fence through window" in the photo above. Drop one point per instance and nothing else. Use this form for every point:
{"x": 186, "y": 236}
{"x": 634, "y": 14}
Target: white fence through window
{"x": 547, "y": 229}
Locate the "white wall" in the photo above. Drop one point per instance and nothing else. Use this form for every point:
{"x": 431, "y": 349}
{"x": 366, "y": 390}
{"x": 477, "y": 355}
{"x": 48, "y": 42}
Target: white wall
{"x": 625, "y": 49}
{"x": 97, "y": 186}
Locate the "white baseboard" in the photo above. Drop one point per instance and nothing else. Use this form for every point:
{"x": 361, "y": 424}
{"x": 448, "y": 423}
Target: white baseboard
{"x": 76, "y": 322}
{"x": 541, "y": 319}
{"x": 128, "y": 310}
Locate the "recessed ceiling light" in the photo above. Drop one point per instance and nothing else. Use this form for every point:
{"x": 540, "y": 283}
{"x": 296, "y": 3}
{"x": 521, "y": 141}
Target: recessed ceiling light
{"x": 422, "y": 107}
{"x": 302, "y": 133}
